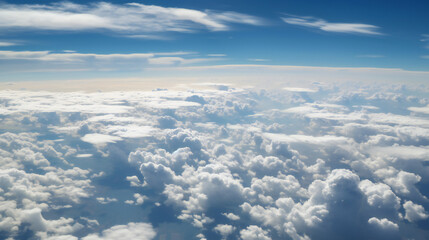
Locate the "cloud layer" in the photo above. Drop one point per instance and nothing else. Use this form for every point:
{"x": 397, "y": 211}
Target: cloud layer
{"x": 215, "y": 163}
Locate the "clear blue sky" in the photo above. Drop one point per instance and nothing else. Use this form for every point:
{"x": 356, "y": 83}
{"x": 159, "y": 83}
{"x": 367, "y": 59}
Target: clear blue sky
{"x": 380, "y": 34}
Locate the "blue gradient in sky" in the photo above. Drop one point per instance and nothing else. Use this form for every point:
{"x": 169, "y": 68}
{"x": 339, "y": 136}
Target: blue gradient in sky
{"x": 402, "y": 25}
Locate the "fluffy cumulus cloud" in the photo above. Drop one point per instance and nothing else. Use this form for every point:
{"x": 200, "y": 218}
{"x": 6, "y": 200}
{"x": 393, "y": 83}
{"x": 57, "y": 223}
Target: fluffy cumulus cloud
{"x": 215, "y": 163}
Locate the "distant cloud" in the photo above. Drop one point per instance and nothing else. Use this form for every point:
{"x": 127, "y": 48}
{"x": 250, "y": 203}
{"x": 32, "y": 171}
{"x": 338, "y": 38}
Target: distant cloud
{"x": 123, "y": 18}
{"x": 425, "y": 39}
{"x": 370, "y": 56}
{"x": 258, "y": 60}
{"x": 7, "y": 44}
{"x": 162, "y": 58}
{"x": 350, "y": 28}
{"x": 149, "y": 37}
{"x": 299, "y": 89}
{"x": 216, "y": 55}
{"x": 178, "y": 60}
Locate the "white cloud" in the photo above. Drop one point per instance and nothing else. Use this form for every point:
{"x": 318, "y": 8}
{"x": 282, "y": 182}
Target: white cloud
{"x": 351, "y": 28}
{"x": 424, "y": 110}
{"x": 399, "y": 119}
{"x": 225, "y": 160}
{"x": 414, "y": 212}
{"x": 327, "y": 139}
{"x": 76, "y": 57}
{"x": 7, "y": 44}
{"x": 299, "y": 89}
{"x": 224, "y": 230}
{"x": 231, "y": 216}
{"x": 254, "y": 232}
{"x": 100, "y": 139}
{"x": 402, "y": 152}
{"x": 178, "y": 60}
{"x": 379, "y": 195}
{"x": 132, "y": 230}
{"x": 216, "y": 55}
{"x": 126, "y": 18}
{"x": 383, "y": 223}
{"x": 107, "y": 200}
{"x": 370, "y": 56}
{"x": 258, "y": 60}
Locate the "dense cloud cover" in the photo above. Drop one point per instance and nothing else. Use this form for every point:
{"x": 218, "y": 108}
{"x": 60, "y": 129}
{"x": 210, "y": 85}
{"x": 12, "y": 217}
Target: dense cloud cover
{"x": 327, "y": 162}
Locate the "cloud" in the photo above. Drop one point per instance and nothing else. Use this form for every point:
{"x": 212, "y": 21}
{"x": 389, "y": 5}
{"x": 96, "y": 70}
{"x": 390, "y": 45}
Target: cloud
{"x": 299, "y": 89}
{"x": 258, "y": 60}
{"x": 216, "y": 55}
{"x": 215, "y": 161}
{"x": 424, "y": 110}
{"x": 7, "y": 44}
{"x": 100, "y": 139}
{"x": 77, "y": 57}
{"x": 254, "y": 232}
{"x": 425, "y": 39}
{"x": 224, "y": 230}
{"x": 127, "y": 18}
{"x": 384, "y": 224}
{"x": 178, "y": 60}
{"x": 350, "y": 28}
{"x": 414, "y": 212}
{"x": 402, "y": 152}
{"x": 370, "y": 56}
{"x": 305, "y": 139}
{"x": 132, "y": 230}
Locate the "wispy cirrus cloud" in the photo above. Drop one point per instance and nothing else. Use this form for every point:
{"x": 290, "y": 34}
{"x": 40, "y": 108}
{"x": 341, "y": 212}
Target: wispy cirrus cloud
{"x": 127, "y": 18}
{"x": 370, "y": 56}
{"x": 425, "y": 39}
{"x": 7, "y": 44}
{"x": 321, "y": 24}
{"x": 71, "y": 56}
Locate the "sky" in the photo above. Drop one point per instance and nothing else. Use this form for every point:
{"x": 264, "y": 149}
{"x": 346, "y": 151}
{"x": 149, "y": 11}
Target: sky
{"x": 42, "y": 40}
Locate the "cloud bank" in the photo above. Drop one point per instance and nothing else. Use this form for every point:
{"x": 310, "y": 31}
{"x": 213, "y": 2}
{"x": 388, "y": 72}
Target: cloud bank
{"x": 325, "y": 161}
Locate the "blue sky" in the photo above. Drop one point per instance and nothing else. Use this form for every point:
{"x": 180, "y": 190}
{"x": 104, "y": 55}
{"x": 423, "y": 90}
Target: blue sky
{"x": 380, "y": 34}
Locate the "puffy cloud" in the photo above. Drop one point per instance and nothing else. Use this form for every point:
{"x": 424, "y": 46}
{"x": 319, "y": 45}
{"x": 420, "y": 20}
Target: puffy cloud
{"x": 383, "y": 224}
{"x": 253, "y": 232}
{"x": 132, "y": 230}
{"x": 404, "y": 182}
{"x": 224, "y": 230}
{"x": 107, "y": 200}
{"x": 414, "y": 212}
{"x": 222, "y": 162}
{"x": 231, "y": 216}
{"x": 379, "y": 195}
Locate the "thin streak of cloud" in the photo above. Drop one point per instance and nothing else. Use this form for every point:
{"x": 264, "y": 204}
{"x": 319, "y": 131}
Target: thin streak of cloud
{"x": 7, "y": 44}
{"x": 370, "y": 56}
{"x": 258, "y": 60}
{"x": 350, "y": 28}
{"x": 216, "y": 55}
{"x": 150, "y": 37}
{"x": 72, "y": 56}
